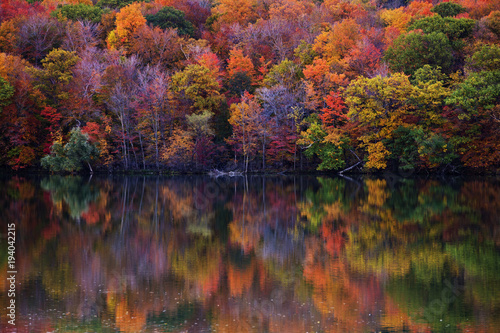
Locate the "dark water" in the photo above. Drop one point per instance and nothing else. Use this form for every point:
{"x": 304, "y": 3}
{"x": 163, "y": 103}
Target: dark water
{"x": 262, "y": 254}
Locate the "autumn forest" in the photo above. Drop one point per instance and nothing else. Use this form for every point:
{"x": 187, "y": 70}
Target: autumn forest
{"x": 250, "y": 85}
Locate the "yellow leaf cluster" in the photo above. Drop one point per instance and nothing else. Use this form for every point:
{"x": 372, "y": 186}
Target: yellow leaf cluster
{"x": 396, "y": 18}
{"x": 377, "y": 156}
{"x": 180, "y": 148}
{"x": 335, "y": 44}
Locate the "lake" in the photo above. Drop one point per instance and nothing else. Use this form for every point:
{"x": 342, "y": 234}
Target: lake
{"x": 254, "y": 254}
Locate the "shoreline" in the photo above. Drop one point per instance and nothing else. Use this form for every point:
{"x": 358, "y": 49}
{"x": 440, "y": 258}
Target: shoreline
{"x": 122, "y": 172}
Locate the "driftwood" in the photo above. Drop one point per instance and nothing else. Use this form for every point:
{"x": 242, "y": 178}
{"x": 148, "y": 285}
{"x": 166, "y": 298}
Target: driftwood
{"x": 217, "y": 173}
{"x": 349, "y": 168}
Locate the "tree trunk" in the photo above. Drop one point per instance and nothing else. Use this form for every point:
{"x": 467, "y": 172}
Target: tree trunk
{"x": 142, "y": 151}
{"x": 125, "y": 153}
{"x": 264, "y": 154}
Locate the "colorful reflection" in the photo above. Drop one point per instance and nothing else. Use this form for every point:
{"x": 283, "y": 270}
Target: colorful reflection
{"x": 256, "y": 254}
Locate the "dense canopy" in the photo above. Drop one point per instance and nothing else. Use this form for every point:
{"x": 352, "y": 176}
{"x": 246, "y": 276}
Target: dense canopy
{"x": 282, "y": 85}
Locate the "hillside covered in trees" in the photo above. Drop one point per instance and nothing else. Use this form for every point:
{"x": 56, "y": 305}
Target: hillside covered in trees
{"x": 257, "y": 85}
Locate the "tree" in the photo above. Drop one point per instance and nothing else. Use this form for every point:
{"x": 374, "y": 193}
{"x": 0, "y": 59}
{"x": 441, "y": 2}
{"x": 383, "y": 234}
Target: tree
{"x": 415, "y": 49}
{"x": 335, "y": 44}
{"x": 128, "y": 20}
{"x": 16, "y": 8}
{"x": 56, "y": 74}
{"x": 118, "y": 93}
{"x": 487, "y": 58}
{"x": 238, "y": 63}
{"x": 454, "y": 29}
{"x": 115, "y": 4}
{"x": 156, "y": 46}
{"x": 429, "y": 92}
{"x": 374, "y": 100}
{"x": 479, "y": 91}
{"x": 199, "y": 125}
{"x": 172, "y": 18}
{"x": 197, "y": 84}
{"x": 414, "y": 147}
{"x": 229, "y": 11}
{"x": 179, "y": 150}
{"x": 38, "y": 35}
{"x": 381, "y": 104}
{"x": 6, "y": 92}
{"x": 419, "y": 9}
{"x": 286, "y": 73}
{"x": 246, "y": 119}
{"x": 335, "y": 112}
{"x": 319, "y": 81}
{"x": 9, "y": 34}
{"x": 363, "y": 59}
{"x": 79, "y": 12}
{"x": 493, "y": 22}
{"x": 397, "y": 18}
{"x": 22, "y": 135}
{"x": 342, "y": 9}
{"x": 80, "y": 36}
{"x": 448, "y": 9}
{"x": 327, "y": 144}
{"x": 154, "y": 111}
{"x": 72, "y": 155}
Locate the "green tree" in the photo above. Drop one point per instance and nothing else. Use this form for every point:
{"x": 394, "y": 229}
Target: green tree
{"x": 115, "y": 4}
{"x": 413, "y": 147}
{"x": 447, "y": 9}
{"x": 454, "y": 29}
{"x": 479, "y": 90}
{"x": 169, "y": 17}
{"x": 72, "y": 155}
{"x": 327, "y": 145}
{"x": 487, "y": 58}
{"x": 6, "y": 92}
{"x": 238, "y": 83}
{"x": 415, "y": 49}
{"x": 80, "y": 12}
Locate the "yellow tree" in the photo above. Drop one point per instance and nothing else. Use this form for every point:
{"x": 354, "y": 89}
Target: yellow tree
{"x": 179, "y": 150}
{"x": 397, "y": 18}
{"x": 128, "y": 20}
{"x": 379, "y": 104}
{"x": 198, "y": 86}
{"x": 334, "y": 44}
{"x": 246, "y": 118}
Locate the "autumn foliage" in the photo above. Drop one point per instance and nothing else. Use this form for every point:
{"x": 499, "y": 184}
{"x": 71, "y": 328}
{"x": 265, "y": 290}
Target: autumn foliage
{"x": 279, "y": 85}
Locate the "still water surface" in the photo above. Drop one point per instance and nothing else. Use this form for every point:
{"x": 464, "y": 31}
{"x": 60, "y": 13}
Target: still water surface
{"x": 261, "y": 254}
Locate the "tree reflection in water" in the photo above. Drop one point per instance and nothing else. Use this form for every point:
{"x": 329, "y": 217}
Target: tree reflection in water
{"x": 276, "y": 254}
